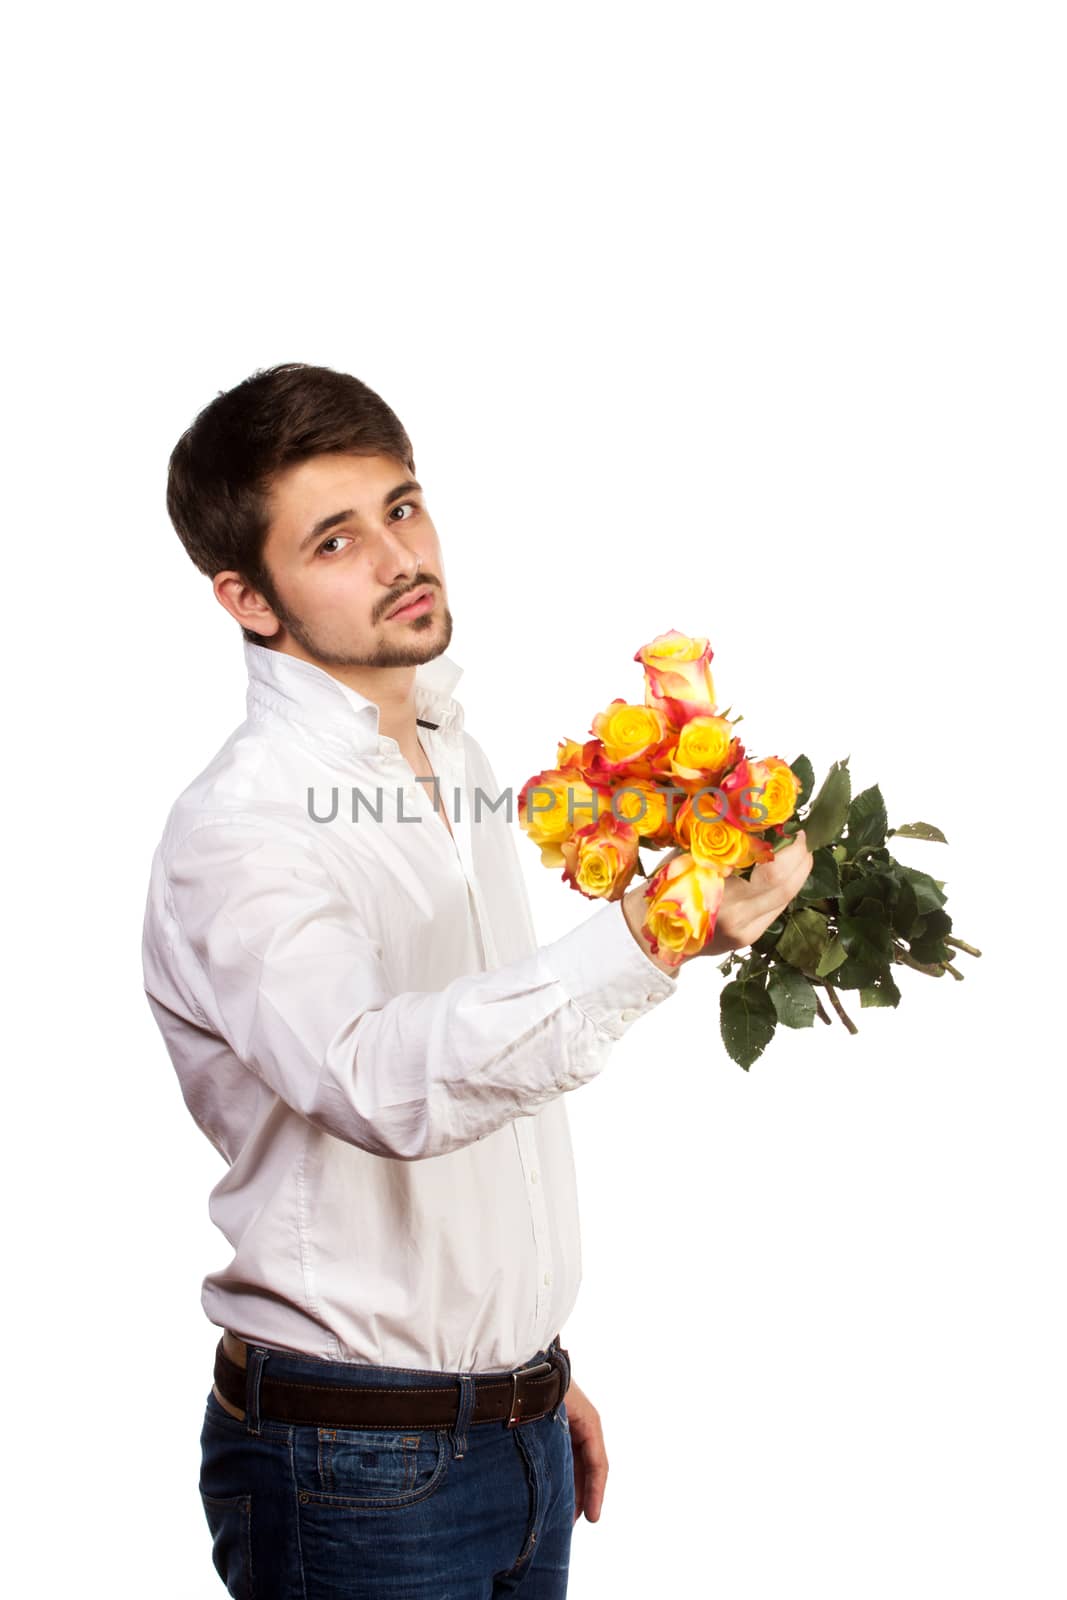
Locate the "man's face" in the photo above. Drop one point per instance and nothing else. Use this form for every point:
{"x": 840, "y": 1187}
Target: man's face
{"x": 345, "y": 535}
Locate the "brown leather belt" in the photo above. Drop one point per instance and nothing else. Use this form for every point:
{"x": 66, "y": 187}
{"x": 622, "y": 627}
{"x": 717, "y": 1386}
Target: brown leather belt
{"x": 511, "y": 1398}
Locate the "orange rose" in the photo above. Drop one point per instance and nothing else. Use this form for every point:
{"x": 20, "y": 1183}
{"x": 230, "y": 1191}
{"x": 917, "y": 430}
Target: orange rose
{"x": 714, "y": 840}
{"x": 742, "y": 790}
{"x": 685, "y": 896}
{"x": 678, "y": 678}
{"x": 705, "y": 748}
{"x": 780, "y": 788}
{"x": 544, "y": 814}
{"x": 601, "y": 858}
{"x": 628, "y": 732}
{"x": 569, "y": 753}
{"x": 644, "y": 806}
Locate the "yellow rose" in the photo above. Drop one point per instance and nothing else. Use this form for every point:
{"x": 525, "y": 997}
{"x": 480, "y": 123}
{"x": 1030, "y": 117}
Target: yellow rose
{"x": 601, "y": 859}
{"x": 643, "y": 805}
{"x": 628, "y": 732}
{"x": 544, "y": 815}
{"x": 714, "y": 840}
{"x": 678, "y": 678}
{"x": 685, "y": 896}
{"x": 705, "y": 747}
{"x": 780, "y": 788}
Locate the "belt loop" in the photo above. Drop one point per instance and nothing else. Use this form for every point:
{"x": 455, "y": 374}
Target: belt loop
{"x": 458, "y": 1431}
{"x": 256, "y": 1357}
{"x": 563, "y": 1361}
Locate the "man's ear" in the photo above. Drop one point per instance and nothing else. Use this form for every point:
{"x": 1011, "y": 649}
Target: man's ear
{"x": 237, "y": 596}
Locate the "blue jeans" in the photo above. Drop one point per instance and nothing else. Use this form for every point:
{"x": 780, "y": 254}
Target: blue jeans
{"x": 468, "y": 1512}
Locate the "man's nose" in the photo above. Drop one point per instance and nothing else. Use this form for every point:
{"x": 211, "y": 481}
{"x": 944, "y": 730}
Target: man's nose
{"x": 397, "y": 562}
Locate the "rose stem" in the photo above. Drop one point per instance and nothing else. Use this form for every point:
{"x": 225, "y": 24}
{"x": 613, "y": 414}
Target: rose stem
{"x": 839, "y": 1008}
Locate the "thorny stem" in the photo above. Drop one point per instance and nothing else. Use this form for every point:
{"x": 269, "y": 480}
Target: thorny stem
{"x": 839, "y": 1008}
{"x": 820, "y": 1012}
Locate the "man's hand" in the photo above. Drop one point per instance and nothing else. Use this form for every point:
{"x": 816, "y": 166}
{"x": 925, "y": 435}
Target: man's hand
{"x": 748, "y": 907}
{"x": 590, "y": 1457}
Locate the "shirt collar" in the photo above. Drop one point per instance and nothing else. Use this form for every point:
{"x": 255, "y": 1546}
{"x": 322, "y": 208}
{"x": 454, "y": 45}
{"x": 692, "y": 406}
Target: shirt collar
{"x": 315, "y": 700}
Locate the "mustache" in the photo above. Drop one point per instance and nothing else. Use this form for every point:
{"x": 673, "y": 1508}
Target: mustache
{"x": 423, "y": 582}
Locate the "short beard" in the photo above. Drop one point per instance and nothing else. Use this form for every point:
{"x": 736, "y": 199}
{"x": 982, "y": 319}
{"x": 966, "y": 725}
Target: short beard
{"x": 411, "y": 653}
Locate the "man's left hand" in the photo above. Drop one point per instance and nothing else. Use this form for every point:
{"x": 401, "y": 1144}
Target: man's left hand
{"x": 590, "y": 1457}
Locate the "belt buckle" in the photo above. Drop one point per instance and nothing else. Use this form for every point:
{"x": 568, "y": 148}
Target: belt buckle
{"x": 514, "y": 1417}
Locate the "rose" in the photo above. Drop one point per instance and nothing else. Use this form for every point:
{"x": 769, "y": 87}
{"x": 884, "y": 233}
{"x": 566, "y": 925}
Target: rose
{"x": 628, "y": 733}
{"x": 705, "y": 748}
{"x": 678, "y": 678}
{"x": 645, "y": 806}
{"x": 568, "y": 754}
{"x": 544, "y": 814}
{"x": 591, "y": 762}
{"x": 741, "y": 802}
{"x": 780, "y": 788}
{"x": 601, "y": 858}
{"x": 684, "y": 900}
{"x": 716, "y": 841}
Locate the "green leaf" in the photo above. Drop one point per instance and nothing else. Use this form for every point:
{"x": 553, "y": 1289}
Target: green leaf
{"x": 747, "y": 1020}
{"x": 831, "y": 959}
{"x": 866, "y": 939}
{"x": 806, "y": 935}
{"x": 928, "y": 946}
{"x": 927, "y": 892}
{"x": 883, "y": 993}
{"x": 854, "y": 973}
{"x": 793, "y": 997}
{"x": 905, "y": 908}
{"x": 770, "y": 936}
{"x": 804, "y": 771}
{"x": 919, "y": 830}
{"x": 829, "y": 809}
{"x": 866, "y": 821}
{"x": 876, "y": 884}
{"x": 824, "y": 880}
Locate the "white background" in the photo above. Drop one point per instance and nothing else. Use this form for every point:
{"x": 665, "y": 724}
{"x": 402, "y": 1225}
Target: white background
{"x": 747, "y": 321}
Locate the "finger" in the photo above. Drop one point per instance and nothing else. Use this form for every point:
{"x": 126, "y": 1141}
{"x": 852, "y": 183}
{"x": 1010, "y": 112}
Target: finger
{"x": 597, "y": 1478}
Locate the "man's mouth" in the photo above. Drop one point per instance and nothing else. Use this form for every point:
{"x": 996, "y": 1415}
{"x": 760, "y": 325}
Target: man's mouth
{"x": 420, "y": 600}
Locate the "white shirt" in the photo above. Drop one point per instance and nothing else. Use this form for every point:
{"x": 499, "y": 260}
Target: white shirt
{"x": 363, "y": 1025}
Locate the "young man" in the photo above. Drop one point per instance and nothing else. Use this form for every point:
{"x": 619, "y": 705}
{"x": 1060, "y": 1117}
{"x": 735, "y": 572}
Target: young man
{"x": 339, "y": 953}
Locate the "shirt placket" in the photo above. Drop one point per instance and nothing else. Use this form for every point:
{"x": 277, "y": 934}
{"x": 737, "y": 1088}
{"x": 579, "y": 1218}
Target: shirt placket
{"x": 451, "y": 769}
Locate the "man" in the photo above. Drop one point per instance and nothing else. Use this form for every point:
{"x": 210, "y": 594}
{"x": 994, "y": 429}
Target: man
{"x": 339, "y": 953}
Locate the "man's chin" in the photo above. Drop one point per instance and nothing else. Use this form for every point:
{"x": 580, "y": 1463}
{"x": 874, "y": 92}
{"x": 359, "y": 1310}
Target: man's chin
{"x": 411, "y": 648}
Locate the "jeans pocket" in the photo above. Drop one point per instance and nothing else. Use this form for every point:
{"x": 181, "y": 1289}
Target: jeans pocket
{"x": 230, "y": 1522}
{"x": 562, "y": 1417}
{"x": 371, "y": 1467}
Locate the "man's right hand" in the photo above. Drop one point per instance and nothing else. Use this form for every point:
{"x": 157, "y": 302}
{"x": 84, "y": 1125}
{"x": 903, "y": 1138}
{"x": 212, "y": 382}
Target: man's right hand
{"x": 748, "y": 906}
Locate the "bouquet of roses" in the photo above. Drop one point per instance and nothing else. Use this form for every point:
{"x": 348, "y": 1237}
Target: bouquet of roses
{"x": 670, "y": 773}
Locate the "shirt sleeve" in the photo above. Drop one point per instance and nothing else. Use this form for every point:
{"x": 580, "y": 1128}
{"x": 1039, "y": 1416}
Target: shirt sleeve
{"x": 283, "y": 970}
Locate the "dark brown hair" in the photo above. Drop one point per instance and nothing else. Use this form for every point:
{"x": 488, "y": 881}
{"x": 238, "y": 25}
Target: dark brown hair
{"x": 222, "y": 466}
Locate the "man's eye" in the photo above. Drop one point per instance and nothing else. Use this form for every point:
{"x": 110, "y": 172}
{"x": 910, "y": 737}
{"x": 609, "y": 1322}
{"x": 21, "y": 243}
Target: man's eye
{"x": 333, "y": 539}
{"x": 406, "y": 505}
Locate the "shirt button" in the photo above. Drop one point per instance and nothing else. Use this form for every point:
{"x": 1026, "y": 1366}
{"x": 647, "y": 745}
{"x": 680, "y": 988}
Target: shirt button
{"x": 657, "y": 996}
{"x": 548, "y": 1277}
{"x": 533, "y": 1175}
{"x": 628, "y": 1016}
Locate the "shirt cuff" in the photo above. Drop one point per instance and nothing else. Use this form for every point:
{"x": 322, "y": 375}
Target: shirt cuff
{"x": 606, "y": 972}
